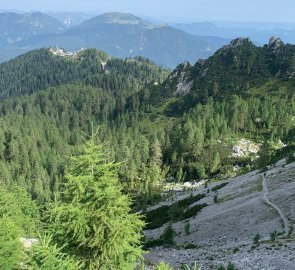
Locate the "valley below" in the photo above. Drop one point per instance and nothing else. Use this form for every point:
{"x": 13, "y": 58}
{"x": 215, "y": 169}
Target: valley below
{"x": 223, "y": 232}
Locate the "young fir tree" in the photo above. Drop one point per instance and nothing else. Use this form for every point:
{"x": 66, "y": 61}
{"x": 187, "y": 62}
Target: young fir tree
{"x": 93, "y": 216}
{"x": 18, "y": 218}
{"x": 47, "y": 256}
{"x": 10, "y": 246}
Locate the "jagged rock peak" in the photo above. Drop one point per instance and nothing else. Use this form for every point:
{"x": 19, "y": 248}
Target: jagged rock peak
{"x": 237, "y": 43}
{"x": 275, "y": 43}
{"x": 182, "y": 79}
{"x": 183, "y": 66}
{"x": 201, "y": 62}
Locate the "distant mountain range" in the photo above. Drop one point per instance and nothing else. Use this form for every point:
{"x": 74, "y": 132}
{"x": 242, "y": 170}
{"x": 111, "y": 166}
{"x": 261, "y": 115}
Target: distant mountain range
{"x": 125, "y": 35}
{"x": 121, "y": 35}
{"x": 258, "y": 32}
{"x": 16, "y": 29}
{"x": 19, "y": 31}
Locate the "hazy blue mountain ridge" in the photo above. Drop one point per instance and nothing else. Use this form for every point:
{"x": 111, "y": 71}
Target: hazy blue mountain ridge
{"x": 119, "y": 34}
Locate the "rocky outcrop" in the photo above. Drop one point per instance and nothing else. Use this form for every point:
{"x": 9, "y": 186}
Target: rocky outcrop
{"x": 245, "y": 148}
{"x": 181, "y": 79}
{"x": 275, "y": 43}
{"x": 238, "y": 42}
{"x": 28, "y": 243}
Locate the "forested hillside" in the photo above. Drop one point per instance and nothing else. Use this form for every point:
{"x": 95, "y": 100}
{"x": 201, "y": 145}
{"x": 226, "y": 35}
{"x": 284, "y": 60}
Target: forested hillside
{"x": 236, "y": 68}
{"x": 40, "y": 69}
{"x": 158, "y": 131}
{"x": 41, "y": 129}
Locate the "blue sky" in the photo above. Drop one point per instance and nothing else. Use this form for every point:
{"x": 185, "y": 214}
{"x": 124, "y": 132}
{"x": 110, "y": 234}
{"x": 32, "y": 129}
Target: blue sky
{"x": 171, "y": 10}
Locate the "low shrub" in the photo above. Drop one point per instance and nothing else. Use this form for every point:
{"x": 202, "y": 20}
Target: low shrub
{"x": 231, "y": 266}
{"x": 273, "y": 236}
{"x": 219, "y": 186}
{"x": 191, "y": 212}
{"x": 215, "y": 198}
{"x": 256, "y": 239}
{"x": 190, "y": 200}
{"x": 187, "y": 227}
{"x": 169, "y": 213}
{"x": 194, "y": 267}
{"x": 167, "y": 238}
{"x": 290, "y": 232}
{"x": 190, "y": 246}
{"x": 162, "y": 266}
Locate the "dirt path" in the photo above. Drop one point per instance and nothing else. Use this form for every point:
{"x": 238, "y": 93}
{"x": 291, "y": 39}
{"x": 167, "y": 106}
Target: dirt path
{"x": 265, "y": 193}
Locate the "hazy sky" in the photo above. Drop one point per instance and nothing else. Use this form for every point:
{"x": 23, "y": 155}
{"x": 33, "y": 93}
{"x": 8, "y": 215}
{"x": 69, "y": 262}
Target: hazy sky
{"x": 181, "y": 10}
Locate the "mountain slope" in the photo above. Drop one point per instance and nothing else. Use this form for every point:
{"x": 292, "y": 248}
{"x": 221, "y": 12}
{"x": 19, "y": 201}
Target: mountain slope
{"x": 70, "y": 19}
{"x": 43, "y": 68}
{"x": 125, "y": 35}
{"x": 16, "y": 29}
{"x": 224, "y": 230}
{"x": 19, "y": 31}
{"x": 236, "y": 68}
{"x": 115, "y": 18}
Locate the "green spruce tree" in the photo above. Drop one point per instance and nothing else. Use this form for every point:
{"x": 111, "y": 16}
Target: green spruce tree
{"x": 93, "y": 216}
